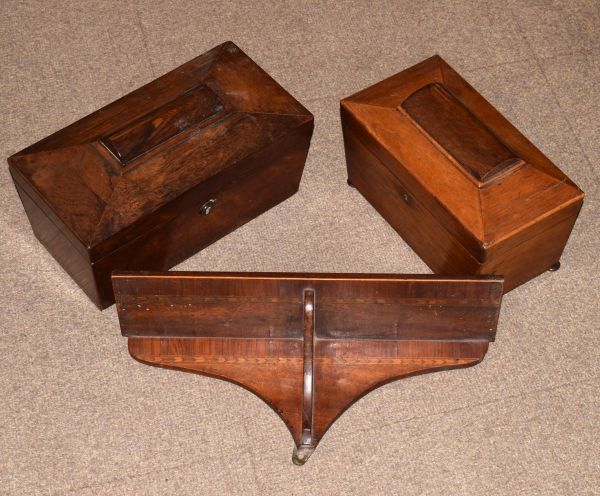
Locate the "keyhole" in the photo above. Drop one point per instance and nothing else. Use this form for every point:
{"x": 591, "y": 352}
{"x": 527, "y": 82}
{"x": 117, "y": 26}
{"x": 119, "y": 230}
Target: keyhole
{"x": 207, "y": 207}
{"x": 404, "y": 195}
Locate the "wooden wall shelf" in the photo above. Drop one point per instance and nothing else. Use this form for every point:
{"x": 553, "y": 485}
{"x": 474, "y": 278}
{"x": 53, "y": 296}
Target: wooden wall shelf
{"x": 309, "y": 345}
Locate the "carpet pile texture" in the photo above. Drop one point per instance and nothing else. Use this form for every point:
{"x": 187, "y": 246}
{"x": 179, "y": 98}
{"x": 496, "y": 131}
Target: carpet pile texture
{"x": 79, "y": 416}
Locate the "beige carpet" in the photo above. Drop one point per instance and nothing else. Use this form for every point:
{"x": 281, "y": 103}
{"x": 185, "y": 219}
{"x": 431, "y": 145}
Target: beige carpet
{"x": 79, "y": 416}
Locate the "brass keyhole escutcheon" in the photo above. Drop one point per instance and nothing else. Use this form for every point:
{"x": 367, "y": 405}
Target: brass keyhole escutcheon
{"x": 207, "y": 207}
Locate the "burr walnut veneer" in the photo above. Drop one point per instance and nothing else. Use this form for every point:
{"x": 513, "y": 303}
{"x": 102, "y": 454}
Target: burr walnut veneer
{"x": 309, "y": 345}
{"x": 465, "y": 189}
{"x": 150, "y": 179}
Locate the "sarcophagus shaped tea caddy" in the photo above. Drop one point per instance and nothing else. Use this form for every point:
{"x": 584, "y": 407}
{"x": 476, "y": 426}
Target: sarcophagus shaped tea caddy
{"x": 309, "y": 345}
{"x": 152, "y": 178}
{"x": 463, "y": 187}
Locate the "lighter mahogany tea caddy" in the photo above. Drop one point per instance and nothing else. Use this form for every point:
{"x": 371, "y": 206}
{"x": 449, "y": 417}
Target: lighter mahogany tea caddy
{"x": 463, "y": 187}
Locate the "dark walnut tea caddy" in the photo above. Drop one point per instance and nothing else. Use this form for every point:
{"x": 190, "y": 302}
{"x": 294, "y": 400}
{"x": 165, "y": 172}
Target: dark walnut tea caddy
{"x": 309, "y": 345}
{"x": 152, "y": 178}
{"x": 463, "y": 187}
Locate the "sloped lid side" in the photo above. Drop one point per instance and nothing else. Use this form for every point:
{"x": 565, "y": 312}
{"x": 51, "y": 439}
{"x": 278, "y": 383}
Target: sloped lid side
{"x": 106, "y": 173}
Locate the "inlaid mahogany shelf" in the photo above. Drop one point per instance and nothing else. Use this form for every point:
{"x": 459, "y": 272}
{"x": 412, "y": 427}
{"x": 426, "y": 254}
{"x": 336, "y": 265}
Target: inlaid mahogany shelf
{"x": 309, "y": 345}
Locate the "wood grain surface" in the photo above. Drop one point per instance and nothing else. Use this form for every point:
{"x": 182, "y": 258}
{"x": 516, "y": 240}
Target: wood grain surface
{"x": 309, "y": 345}
{"x": 123, "y": 188}
{"x": 466, "y": 190}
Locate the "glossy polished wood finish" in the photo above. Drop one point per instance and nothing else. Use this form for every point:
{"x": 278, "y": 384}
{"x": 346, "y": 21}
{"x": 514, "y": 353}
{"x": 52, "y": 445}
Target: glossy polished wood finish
{"x": 186, "y": 112}
{"x": 466, "y": 190}
{"x": 443, "y": 117}
{"x": 124, "y": 188}
{"x": 309, "y": 345}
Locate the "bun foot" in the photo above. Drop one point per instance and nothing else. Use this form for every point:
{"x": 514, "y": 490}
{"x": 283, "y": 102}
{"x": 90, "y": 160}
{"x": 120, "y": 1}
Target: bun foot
{"x": 350, "y": 183}
{"x": 301, "y": 455}
{"x": 554, "y": 267}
